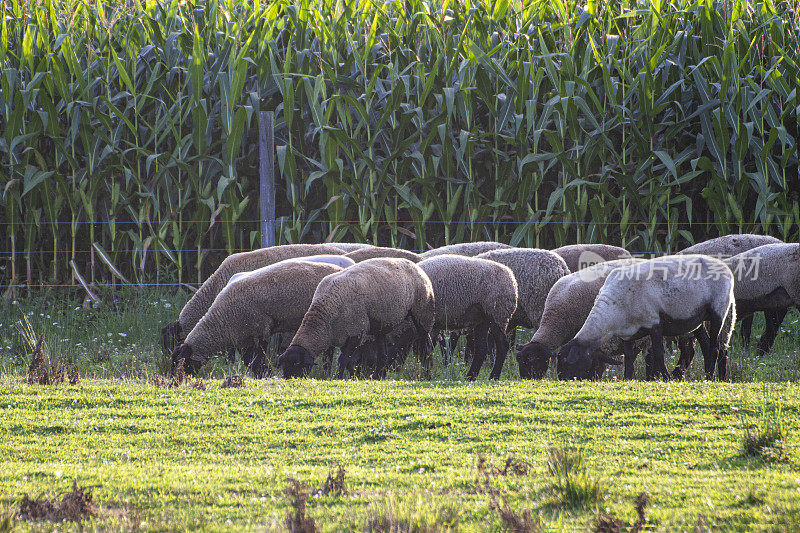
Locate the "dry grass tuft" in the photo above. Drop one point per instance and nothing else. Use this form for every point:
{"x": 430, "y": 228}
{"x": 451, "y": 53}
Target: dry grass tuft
{"x": 335, "y": 484}
{"x": 236, "y": 381}
{"x": 607, "y": 523}
{"x": 512, "y": 466}
{"x": 198, "y": 384}
{"x": 513, "y": 521}
{"x": 642, "y": 501}
{"x": 296, "y": 519}
{"x": 75, "y": 506}
{"x": 44, "y": 369}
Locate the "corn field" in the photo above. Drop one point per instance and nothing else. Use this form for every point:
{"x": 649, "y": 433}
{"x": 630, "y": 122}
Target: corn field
{"x": 129, "y": 146}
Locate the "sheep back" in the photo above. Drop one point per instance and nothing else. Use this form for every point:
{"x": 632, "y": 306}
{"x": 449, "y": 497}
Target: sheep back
{"x": 730, "y": 245}
{"x": 469, "y": 249}
{"x": 536, "y": 272}
{"x": 594, "y": 253}
{"x": 349, "y": 246}
{"x": 338, "y": 260}
{"x": 380, "y": 251}
{"x": 201, "y": 301}
{"x": 469, "y": 289}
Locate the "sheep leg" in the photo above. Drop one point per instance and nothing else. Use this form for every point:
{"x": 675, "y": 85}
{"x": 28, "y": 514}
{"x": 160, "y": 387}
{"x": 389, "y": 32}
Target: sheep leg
{"x": 686, "y": 346}
{"x": 630, "y": 359}
{"x": 747, "y": 328}
{"x": 469, "y": 349}
{"x": 773, "y": 319}
{"x": 480, "y": 343}
{"x": 657, "y": 339}
{"x": 346, "y": 355}
{"x": 259, "y": 362}
{"x": 380, "y": 358}
{"x": 713, "y": 344}
{"x": 501, "y": 343}
{"x": 649, "y": 367}
{"x": 452, "y": 343}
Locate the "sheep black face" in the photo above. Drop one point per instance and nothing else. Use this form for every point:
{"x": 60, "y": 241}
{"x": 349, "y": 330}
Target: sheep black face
{"x": 184, "y": 352}
{"x": 295, "y": 362}
{"x": 169, "y": 336}
{"x": 534, "y": 359}
{"x": 581, "y": 361}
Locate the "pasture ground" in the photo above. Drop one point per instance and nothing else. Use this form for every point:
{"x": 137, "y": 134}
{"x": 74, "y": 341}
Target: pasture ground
{"x": 161, "y": 458}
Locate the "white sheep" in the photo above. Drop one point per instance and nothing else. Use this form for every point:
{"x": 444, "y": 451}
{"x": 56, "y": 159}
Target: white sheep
{"x": 371, "y": 298}
{"x": 663, "y": 297}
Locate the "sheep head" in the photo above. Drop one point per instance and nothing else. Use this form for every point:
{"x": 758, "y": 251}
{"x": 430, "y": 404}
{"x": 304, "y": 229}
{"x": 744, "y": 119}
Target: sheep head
{"x": 580, "y": 360}
{"x": 534, "y": 359}
{"x": 295, "y": 362}
{"x": 184, "y": 352}
{"x": 169, "y": 336}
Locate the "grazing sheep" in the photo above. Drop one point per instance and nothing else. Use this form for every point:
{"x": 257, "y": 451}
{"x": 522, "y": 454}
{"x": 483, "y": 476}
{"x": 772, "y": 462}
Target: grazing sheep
{"x": 578, "y": 256}
{"x": 380, "y": 251}
{"x": 728, "y": 246}
{"x": 271, "y": 300}
{"x": 339, "y": 260}
{"x": 469, "y": 249}
{"x": 663, "y": 297}
{"x": 370, "y": 298}
{"x": 347, "y": 247}
{"x": 767, "y": 278}
{"x": 565, "y": 310}
{"x": 477, "y": 295}
{"x": 174, "y": 332}
{"x": 536, "y": 272}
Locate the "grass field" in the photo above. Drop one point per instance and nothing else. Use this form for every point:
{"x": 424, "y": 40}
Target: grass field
{"x": 161, "y": 458}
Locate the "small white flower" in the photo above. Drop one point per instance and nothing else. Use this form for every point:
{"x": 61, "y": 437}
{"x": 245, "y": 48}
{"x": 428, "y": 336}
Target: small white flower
{"x": 122, "y": 334}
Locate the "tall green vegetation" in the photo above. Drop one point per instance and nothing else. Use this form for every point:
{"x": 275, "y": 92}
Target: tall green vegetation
{"x": 129, "y": 129}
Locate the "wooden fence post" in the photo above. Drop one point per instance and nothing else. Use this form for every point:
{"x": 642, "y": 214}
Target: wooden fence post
{"x": 266, "y": 145}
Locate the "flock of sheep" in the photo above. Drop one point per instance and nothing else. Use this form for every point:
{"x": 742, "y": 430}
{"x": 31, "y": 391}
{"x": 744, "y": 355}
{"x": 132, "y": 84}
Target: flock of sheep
{"x": 589, "y": 304}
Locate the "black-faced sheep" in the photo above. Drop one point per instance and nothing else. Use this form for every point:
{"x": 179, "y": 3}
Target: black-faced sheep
{"x": 469, "y": 249}
{"x": 272, "y": 300}
{"x": 174, "y": 332}
{"x": 370, "y": 298}
{"x": 578, "y": 256}
{"x": 380, "y": 251}
{"x": 476, "y": 295}
{"x": 663, "y": 297}
{"x": 766, "y": 278}
{"x": 565, "y": 310}
{"x": 723, "y": 248}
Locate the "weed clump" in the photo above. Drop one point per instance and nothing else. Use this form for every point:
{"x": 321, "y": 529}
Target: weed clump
{"x": 411, "y": 516}
{"x": 515, "y": 522}
{"x": 236, "y": 381}
{"x": 607, "y": 523}
{"x": 335, "y": 484}
{"x": 75, "y": 506}
{"x": 297, "y": 521}
{"x": 570, "y": 481}
{"x": 44, "y": 369}
{"x": 767, "y": 442}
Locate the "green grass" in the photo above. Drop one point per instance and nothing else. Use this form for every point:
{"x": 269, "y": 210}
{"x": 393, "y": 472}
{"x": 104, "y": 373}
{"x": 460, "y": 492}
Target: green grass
{"x": 163, "y": 458}
{"x": 220, "y": 459}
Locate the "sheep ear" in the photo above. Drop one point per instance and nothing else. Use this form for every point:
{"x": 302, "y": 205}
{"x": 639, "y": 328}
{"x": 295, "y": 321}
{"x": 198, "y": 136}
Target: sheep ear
{"x": 610, "y": 360}
{"x": 520, "y": 347}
